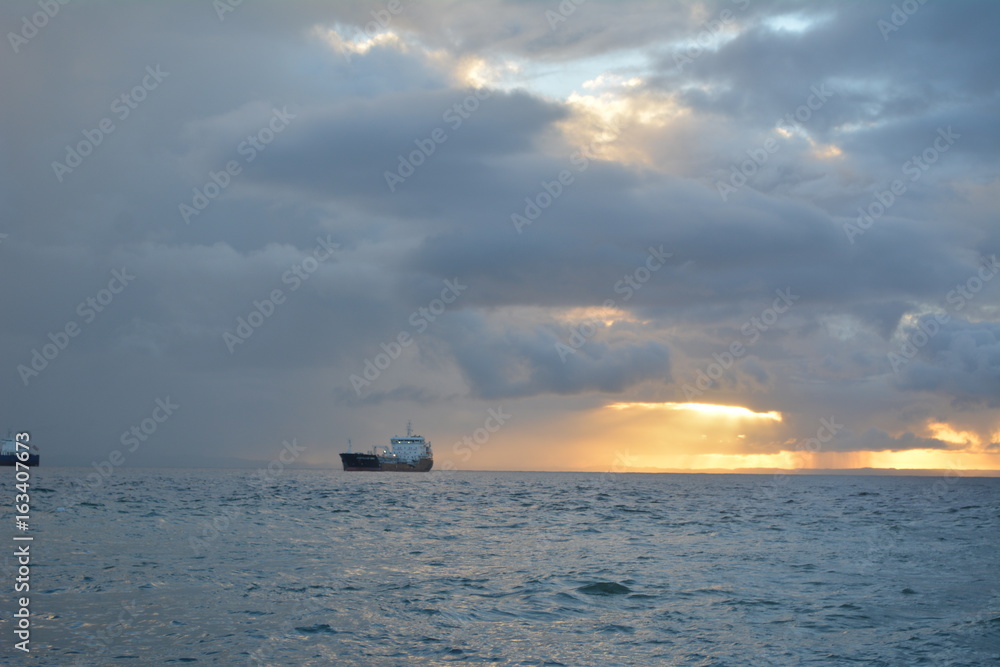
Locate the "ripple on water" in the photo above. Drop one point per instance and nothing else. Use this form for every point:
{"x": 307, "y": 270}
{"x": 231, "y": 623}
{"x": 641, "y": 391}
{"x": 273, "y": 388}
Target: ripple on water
{"x": 518, "y": 568}
{"x": 604, "y": 588}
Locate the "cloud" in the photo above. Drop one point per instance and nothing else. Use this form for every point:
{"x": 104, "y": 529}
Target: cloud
{"x": 641, "y": 145}
{"x": 960, "y": 360}
{"x": 499, "y": 361}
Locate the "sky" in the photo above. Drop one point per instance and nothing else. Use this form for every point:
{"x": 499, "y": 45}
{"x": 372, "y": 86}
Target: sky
{"x": 555, "y": 236}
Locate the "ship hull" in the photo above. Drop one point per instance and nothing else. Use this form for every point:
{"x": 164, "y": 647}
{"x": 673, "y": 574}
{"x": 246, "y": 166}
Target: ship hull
{"x": 423, "y": 465}
{"x": 373, "y": 463}
{"x": 11, "y": 459}
{"x": 360, "y": 462}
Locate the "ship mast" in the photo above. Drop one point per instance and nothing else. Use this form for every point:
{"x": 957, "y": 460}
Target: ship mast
{"x": 409, "y": 430}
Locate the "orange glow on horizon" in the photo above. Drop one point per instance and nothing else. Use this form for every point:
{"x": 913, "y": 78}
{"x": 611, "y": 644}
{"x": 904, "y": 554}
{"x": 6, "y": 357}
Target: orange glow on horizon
{"x": 703, "y": 436}
{"x": 916, "y": 459}
{"x": 665, "y": 436}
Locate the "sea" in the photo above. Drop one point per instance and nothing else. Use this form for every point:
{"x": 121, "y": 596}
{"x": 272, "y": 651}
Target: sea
{"x": 312, "y": 567}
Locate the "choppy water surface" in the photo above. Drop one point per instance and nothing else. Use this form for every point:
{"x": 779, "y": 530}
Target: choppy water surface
{"x": 323, "y": 568}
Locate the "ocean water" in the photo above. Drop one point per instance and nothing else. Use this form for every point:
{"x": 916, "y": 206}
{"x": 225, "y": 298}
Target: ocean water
{"x": 227, "y": 567}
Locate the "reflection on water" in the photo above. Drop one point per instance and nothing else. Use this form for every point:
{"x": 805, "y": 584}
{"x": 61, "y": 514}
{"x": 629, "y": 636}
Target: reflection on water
{"x": 319, "y": 568}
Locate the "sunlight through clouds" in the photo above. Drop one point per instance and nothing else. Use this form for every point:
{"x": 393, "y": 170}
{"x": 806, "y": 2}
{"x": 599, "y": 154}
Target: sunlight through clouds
{"x": 361, "y": 43}
{"x": 722, "y": 411}
{"x": 946, "y": 433}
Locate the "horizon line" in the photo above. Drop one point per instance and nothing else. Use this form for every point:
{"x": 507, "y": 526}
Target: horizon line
{"x": 888, "y": 472}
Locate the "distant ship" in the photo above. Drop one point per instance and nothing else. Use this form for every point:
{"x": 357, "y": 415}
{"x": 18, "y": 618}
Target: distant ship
{"x": 409, "y": 454}
{"x": 8, "y": 453}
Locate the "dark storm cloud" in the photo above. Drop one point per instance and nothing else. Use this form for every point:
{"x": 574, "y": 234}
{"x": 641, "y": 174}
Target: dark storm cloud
{"x": 344, "y": 153}
{"x": 506, "y": 362}
{"x": 876, "y": 439}
{"x": 956, "y": 358}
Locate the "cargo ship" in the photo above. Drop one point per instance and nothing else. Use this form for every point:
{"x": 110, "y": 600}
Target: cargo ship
{"x": 404, "y": 454}
{"x": 9, "y": 451}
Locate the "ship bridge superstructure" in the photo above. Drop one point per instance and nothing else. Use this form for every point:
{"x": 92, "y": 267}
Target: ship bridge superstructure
{"x": 409, "y": 449}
